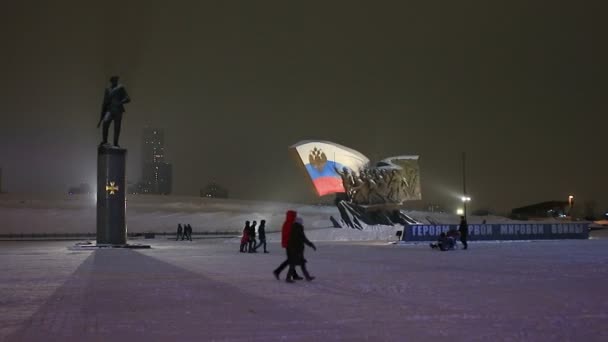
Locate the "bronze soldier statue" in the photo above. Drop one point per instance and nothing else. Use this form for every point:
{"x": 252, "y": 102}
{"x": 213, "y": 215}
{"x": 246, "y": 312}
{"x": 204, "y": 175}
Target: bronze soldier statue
{"x": 114, "y": 99}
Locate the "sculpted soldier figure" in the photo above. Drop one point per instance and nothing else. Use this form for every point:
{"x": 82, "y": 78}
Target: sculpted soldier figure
{"x": 362, "y": 190}
{"x": 383, "y": 185}
{"x": 347, "y": 180}
{"x": 114, "y": 99}
{"x": 395, "y": 187}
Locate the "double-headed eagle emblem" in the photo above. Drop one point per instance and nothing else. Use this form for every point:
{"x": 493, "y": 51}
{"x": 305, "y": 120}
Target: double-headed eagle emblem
{"x": 317, "y": 159}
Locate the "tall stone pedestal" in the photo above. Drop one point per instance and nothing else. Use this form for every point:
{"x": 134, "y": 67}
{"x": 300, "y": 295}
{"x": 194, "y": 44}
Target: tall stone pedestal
{"x": 111, "y": 188}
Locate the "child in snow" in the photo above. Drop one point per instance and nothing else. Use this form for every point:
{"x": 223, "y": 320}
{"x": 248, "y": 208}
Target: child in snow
{"x": 443, "y": 243}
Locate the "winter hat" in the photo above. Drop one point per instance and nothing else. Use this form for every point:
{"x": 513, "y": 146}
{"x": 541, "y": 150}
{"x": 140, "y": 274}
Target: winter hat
{"x": 299, "y": 220}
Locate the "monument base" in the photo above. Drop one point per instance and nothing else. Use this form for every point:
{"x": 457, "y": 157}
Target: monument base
{"x": 94, "y": 246}
{"x": 111, "y": 190}
{"x": 356, "y": 216}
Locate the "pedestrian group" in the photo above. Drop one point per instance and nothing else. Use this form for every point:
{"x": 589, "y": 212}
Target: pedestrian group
{"x": 293, "y": 240}
{"x": 184, "y": 233}
{"x": 249, "y": 244}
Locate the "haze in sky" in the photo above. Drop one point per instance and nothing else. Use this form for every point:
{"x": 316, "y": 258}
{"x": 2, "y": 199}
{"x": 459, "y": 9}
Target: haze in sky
{"x": 519, "y": 85}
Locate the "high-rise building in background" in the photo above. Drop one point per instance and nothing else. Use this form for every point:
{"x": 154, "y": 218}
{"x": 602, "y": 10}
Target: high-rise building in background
{"x": 214, "y": 190}
{"x": 157, "y": 177}
{"x": 153, "y": 145}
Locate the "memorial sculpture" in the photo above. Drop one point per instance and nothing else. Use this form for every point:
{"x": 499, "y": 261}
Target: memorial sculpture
{"x": 367, "y": 193}
{"x": 111, "y": 171}
{"x": 114, "y": 99}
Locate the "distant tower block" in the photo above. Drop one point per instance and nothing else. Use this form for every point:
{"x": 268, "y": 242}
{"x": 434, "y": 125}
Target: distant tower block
{"x": 111, "y": 187}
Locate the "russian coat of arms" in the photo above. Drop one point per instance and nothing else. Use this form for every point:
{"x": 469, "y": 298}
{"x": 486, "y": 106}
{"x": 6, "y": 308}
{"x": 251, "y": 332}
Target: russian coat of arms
{"x": 317, "y": 159}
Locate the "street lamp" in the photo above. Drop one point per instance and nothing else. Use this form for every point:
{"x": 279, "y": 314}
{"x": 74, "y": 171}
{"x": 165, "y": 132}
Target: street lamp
{"x": 465, "y": 200}
{"x": 570, "y": 204}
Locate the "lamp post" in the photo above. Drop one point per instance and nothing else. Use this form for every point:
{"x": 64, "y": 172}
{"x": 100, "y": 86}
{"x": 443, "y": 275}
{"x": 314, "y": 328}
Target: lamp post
{"x": 465, "y": 200}
{"x": 570, "y": 205}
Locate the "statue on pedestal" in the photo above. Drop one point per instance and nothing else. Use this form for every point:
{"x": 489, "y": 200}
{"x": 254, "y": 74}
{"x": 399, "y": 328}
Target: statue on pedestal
{"x": 114, "y": 99}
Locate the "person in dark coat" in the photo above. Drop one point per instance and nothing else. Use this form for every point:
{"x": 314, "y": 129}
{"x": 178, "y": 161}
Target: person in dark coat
{"x": 295, "y": 250}
{"x": 245, "y": 238}
{"x": 252, "y": 240}
{"x": 188, "y": 232}
{"x": 464, "y": 231}
{"x": 179, "y": 231}
{"x": 290, "y": 218}
{"x": 262, "y": 235}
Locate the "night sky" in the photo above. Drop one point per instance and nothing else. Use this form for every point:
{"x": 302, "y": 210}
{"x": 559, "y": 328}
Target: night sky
{"x": 519, "y": 85}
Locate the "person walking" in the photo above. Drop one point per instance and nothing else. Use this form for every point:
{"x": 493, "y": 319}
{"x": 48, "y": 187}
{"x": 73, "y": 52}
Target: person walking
{"x": 290, "y": 218}
{"x": 188, "y": 232}
{"x": 464, "y": 231}
{"x": 262, "y": 235}
{"x": 295, "y": 250}
{"x": 179, "y": 231}
{"x": 252, "y": 241}
{"x": 245, "y": 238}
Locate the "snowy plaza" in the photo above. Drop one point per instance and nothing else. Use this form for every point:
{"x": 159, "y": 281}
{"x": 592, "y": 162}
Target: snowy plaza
{"x": 260, "y": 171}
{"x": 205, "y": 290}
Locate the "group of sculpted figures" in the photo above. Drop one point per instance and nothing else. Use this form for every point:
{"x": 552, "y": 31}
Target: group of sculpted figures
{"x": 379, "y": 185}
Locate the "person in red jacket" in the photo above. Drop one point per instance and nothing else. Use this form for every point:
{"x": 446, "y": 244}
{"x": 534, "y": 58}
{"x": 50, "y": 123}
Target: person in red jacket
{"x": 245, "y": 238}
{"x": 290, "y": 218}
{"x": 295, "y": 250}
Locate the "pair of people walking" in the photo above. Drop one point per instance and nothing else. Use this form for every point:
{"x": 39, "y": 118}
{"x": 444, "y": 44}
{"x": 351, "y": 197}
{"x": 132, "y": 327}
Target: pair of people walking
{"x": 294, "y": 240}
{"x": 248, "y": 242}
{"x": 184, "y": 233}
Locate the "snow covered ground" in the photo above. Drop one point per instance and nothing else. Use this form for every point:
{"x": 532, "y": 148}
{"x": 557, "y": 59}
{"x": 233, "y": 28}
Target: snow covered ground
{"x": 20, "y": 214}
{"x": 76, "y": 214}
{"x": 205, "y": 290}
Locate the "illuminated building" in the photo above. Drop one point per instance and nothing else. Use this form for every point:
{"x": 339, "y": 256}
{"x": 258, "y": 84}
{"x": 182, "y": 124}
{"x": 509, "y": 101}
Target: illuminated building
{"x": 157, "y": 175}
{"x": 153, "y": 146}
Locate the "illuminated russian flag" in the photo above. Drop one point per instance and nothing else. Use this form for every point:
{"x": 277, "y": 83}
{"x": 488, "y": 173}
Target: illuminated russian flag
{"x": 327, "y": 180}
{"x": 321, "y": 160}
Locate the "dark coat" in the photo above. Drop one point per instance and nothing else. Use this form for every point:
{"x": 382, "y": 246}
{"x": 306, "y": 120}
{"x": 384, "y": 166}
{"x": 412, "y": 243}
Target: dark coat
{"x": 252, "y": 232}
{"x": 463, "y": 228}
{"x": 295, "y": 245}
{"x": 262, "y": 232}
